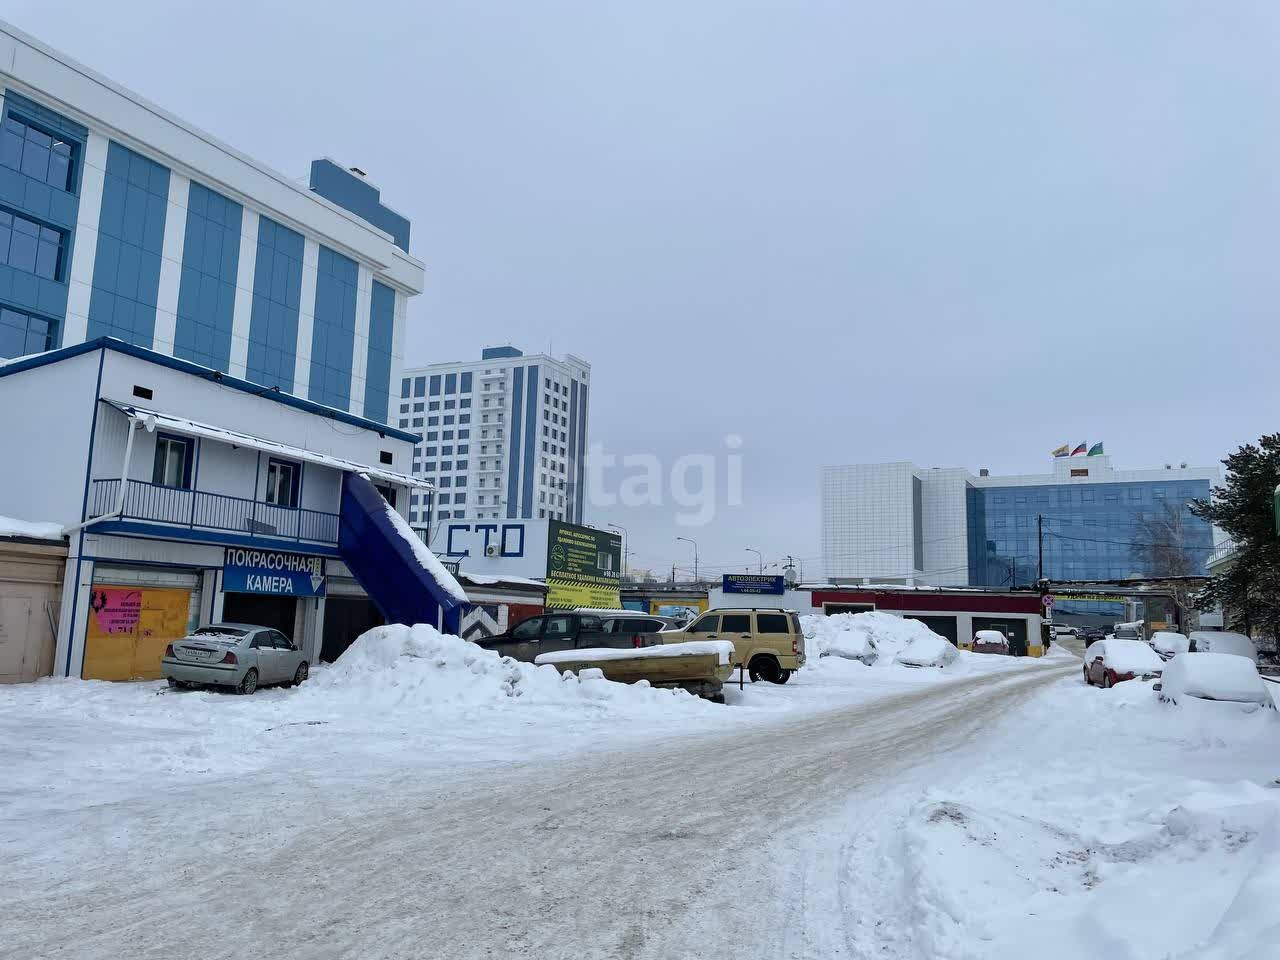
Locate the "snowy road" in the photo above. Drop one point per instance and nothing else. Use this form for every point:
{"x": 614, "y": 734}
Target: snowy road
{"x": 707, "y": 845}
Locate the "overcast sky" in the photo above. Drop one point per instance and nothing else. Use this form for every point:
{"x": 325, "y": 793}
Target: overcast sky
{"x": 959, "y": 234}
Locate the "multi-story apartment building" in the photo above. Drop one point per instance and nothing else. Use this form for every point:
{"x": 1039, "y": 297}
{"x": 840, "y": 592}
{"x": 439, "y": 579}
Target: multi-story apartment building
{"x": 503, "y": 437}
{"x": 900, "y": 523}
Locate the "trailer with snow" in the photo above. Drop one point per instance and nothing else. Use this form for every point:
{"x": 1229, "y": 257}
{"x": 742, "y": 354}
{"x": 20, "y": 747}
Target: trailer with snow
{"x": 700, "y": 666}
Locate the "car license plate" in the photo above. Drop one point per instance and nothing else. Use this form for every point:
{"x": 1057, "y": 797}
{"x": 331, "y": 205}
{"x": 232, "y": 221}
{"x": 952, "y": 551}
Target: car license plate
{"x": 198, "y": 654}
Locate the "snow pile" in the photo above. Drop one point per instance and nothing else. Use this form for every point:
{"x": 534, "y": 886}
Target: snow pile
{"x": 870, "y": 637}
{"x": 36, "y": 530}
{"x": 1154, "y": 836}
{"x": 418, "y": 668}
{"x": 930, "y": 651}
{"x": 1158, "y": 891}
{"x": 1213, "y": 676}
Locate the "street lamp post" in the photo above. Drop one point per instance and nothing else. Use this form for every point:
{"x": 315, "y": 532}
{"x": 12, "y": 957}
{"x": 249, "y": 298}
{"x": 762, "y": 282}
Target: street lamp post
{"x": 618, "y": 526}
{"x": 695, "y": 555}
{"x": 759, "y": 555}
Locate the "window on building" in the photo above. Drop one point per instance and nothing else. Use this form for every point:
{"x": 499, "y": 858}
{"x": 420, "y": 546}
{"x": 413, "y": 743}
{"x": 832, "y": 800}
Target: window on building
{"x": 464, "y": 403}
{"x": 417, "y": 408}
{"x": 172, "y": 465}
{"x": 282, "y": 482}
{"x": 450, "y": 404}
{"x": 23, "y": 333}
{"x": 404, "y": 393}
{"x": 44, "y": 156}
{"x": 435, "y": 385}
{"x": 419, "y": 386}
{"x": 465, "y": 385}
{"x": 30, "y": 246}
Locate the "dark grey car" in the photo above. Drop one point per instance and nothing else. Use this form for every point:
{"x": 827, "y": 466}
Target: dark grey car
{"x": 239, "y": 655}
{"x": 550, "y": 632}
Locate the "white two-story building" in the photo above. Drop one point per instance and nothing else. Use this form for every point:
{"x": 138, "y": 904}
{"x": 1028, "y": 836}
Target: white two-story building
{"x": 201, "y": 354}
{"x": 190, "y": 497}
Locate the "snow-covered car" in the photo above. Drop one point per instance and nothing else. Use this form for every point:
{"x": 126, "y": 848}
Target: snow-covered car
{"x": 1221, "y": 677}
{"x": 1117, "y": 659}
{"x": 990, "y": 641}
{"x": 1169, "y": 644}
{"x": 238, "y": 655}
{"x": 1223, "y": 641}
{"x": 852, "y": 645}
{"x": 927, "y": 651}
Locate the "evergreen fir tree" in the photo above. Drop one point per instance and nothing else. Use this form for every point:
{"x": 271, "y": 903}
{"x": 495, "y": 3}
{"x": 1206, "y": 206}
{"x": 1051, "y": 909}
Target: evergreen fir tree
{"x": 1249, "y": 591}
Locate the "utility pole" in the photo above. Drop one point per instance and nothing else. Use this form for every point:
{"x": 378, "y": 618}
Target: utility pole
{"x": 695, "y": 557}
{"x": 1040, "y": 545}
{"x": 759, "y": 557}
{"x": 625, "y": 551}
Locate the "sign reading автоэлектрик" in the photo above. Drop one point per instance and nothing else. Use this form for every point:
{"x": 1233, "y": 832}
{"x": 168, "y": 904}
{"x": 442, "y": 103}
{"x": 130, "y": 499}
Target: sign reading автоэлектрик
{"x": 752, "y": 583}
{"x": 247, "y": 570}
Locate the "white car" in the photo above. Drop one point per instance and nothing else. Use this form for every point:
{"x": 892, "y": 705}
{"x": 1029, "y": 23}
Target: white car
{"x": 1219, "y": 677}
{"x": 1223, "y": 641}
{"x": 1169, "y": 644}
{"x": 928, "y": 651}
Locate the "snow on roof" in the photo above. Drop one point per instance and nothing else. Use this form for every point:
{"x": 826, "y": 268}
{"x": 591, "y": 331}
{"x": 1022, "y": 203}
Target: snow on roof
{"x": 722, "y": 650}
{"x": 152, "y": 419}
{"x": 485, "y": 579}
{"x": 422, "y": 553}
{"x": 35, "y": 529}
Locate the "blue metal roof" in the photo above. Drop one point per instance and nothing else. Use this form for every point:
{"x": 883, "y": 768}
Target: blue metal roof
{"x": 205, "y": 373}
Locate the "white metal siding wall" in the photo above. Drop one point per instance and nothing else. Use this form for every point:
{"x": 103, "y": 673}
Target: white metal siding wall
{"x": 867, "y": 520}
{"x": 46, "y": 424}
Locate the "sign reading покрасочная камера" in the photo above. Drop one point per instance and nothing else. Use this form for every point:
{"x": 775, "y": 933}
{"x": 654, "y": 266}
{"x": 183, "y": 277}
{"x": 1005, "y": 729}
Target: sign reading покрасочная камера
{"x": 249, "y": 570}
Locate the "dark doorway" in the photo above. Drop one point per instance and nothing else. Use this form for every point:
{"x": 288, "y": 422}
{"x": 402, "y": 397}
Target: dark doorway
{"x": 833, "y": 608}
{"x": 1015, "y": 630}
{"x": 942, "y": 626}
{"x": 345, "y": 618}
{"x": 261, "y": 610}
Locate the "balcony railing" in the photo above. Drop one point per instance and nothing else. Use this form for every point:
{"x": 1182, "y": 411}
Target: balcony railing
{"x": 212, "y": 511}
{"x": 1222, "y": 551}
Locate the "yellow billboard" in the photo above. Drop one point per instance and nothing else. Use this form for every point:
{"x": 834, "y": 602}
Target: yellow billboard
{"x": 583, "y": 567}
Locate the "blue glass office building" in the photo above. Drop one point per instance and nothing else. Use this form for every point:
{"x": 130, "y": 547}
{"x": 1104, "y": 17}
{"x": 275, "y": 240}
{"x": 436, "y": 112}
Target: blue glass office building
{"x": 1091, "y": 531}
{"x": 902, "y": 523}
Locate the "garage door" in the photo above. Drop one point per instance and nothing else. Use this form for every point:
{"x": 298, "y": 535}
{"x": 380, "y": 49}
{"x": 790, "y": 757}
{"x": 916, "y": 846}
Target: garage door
{"x": 942, "y": 626}
{"x": 1015, "y": 630}
{"x": 129, "y": 627}
{"x": 345, "y": 618}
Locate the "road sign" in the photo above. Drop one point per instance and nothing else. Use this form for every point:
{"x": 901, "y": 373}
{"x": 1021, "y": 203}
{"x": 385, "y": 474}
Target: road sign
{"x": 1047, "y": 600}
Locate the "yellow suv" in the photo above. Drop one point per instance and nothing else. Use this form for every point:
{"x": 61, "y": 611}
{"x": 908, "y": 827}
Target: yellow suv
{"x": 768, "y": 641}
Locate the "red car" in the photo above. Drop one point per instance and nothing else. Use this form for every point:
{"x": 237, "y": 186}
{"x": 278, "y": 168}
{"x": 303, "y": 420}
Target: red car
{"x": 1115, "y": 659}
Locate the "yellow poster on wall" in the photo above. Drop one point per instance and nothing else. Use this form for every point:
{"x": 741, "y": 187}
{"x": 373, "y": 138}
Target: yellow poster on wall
{"x": 129, "y": 628}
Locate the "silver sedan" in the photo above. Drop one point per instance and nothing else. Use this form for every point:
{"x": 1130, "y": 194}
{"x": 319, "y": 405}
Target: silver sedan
{"x": 238, "y": 655}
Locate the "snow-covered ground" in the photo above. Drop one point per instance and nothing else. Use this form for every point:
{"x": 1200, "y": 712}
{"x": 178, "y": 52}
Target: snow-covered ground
{"x": 877, "y": 810}
{"x": 1089, "y": 823}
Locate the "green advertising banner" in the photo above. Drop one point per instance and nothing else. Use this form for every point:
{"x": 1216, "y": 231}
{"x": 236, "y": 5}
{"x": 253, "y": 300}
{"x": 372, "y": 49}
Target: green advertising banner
{"x": 583, "y": 567}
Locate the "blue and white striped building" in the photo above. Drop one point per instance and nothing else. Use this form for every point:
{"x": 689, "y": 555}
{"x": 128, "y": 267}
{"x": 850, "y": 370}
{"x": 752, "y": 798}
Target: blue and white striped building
{"x": 503, "y": 437}
{"x": 119, "y": 219}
